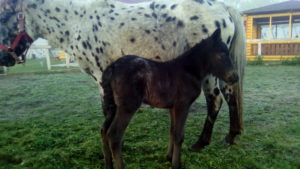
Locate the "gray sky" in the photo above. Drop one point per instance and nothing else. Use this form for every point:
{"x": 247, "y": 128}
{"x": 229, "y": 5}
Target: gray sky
{"x": 240, "y": 4}
{"x": 250, "y": 4}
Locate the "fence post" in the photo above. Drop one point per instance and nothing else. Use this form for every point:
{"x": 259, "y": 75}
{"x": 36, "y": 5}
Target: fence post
{"x": 3, "y": 70}
{"x": 48, "y": 59}
{"x": 259, "y": 48}
{"x": 67, "y": 60}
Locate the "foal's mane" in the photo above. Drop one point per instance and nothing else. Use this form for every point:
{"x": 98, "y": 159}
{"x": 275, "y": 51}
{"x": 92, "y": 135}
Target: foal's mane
{"x": 191, "y": 56}
{"x": 199, "y": 47}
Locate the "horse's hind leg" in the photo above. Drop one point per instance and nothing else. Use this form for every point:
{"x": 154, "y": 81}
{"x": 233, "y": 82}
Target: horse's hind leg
{"x": 214, "y": 102}
{"x": 233, "y": 98}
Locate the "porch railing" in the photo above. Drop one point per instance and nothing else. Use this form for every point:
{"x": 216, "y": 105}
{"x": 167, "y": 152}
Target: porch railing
{"x": 276, "y": 49}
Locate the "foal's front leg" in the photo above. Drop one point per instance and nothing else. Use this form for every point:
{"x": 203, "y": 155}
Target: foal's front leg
{"x": 214, "y": 102}
{"x": 171, "y": 143}
{"x": 178, "y": 116}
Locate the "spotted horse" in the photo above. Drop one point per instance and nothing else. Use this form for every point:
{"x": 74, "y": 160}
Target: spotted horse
{"x": 98, "y": 32}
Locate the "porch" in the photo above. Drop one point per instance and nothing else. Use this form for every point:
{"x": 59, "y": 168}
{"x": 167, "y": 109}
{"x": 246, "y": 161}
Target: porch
{"x": 275, "y": 36}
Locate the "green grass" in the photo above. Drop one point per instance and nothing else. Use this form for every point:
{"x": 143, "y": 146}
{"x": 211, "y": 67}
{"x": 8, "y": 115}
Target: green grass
{"x": 51, "y": 121}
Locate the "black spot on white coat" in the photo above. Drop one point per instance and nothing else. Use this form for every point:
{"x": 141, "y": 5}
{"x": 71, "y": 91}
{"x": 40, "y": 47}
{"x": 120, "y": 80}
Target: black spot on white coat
{"x": 224, "y": 23}
{"x": 217, "y": 23}
{"x": 173, "y": 6}
{"x": 194, "y": 18}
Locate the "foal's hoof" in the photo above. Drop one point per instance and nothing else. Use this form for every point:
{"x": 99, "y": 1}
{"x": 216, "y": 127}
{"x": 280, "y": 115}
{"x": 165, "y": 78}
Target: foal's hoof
{"x": 109, "y": 167}
{"x": 169, "y": 158}
{"x": 177, "y": 167}
{"x": 196, "y": 147}
{"x": 228, "y": 140}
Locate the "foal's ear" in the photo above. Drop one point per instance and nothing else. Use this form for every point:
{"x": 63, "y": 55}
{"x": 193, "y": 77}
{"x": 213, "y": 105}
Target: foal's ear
{"x": 216, "y": 36}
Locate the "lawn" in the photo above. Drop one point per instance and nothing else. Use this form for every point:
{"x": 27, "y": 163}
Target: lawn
{"x": 51, "y": 120}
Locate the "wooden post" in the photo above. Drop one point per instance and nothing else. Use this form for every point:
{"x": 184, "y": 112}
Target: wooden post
{"x": 270, "y": 29}
{"x": 290, "y": 26}
{"x": 67, "y": 60}
{"x": 259, "y": 48}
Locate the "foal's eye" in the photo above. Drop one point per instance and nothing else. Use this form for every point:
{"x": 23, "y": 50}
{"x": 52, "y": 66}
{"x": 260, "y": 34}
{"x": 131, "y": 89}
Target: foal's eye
{"x": 223, "y": 55}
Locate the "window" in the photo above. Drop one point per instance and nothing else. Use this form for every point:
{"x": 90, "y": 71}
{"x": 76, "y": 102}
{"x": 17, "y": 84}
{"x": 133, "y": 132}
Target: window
{"x": 262, "y": 27}
{"x": 280, "y": 27}
{"x": 264, "y": 31}
{"x": 296, "y": 27}
{"x": 296, "y": 30}
{"x": 280, "y": 31}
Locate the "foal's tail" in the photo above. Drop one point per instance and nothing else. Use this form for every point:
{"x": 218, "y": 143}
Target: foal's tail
{"x": 238, "y": 54}
{"x": 108, "y": 105}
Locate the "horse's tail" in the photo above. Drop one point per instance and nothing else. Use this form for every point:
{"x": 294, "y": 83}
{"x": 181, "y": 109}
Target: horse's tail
{"x": 238, "y": 54}
{"x": 108, "y": 104}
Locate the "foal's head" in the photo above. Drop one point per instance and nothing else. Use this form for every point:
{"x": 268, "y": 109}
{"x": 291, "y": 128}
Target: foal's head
{"x": 218, "y": 59}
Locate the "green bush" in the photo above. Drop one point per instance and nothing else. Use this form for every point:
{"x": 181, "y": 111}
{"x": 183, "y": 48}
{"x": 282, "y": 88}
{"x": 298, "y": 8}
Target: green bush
{"x": 257, "y": 61}
{"x": 293, "y": 61}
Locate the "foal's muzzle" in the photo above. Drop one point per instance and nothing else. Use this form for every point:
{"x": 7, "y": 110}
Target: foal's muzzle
{"x": 232, "y": 77}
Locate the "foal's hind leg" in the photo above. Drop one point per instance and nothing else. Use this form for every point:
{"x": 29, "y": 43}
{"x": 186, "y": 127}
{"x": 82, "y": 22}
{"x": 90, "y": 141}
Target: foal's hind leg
{"x": 106, "y": 149}
{"x": 233, "y": 98}
{"x": 109, "y": 111}
{"x": 116, "y": 131}
{"x": 214, "y": 102}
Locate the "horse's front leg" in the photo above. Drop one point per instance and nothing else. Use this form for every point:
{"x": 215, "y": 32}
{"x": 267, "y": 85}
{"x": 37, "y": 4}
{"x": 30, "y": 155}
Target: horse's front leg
{"x": 214, "y": 102}
{"x": 179, "y": 116}
{"x": 233, "y": 96}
